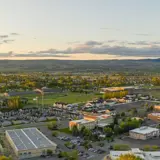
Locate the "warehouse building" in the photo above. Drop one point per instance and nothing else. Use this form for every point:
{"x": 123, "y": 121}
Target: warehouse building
{"x": 144, "y": 133}
{"x": 29, "y": 142}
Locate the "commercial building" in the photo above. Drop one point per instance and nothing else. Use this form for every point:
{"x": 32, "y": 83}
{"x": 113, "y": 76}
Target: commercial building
{"x": 114, "y": 155}
{"x": 90, "y": 124}
{"x": 117, "y": 89}
{"x": 135, "y": 151}
{"x": 154, "y": 116}
{"x": 157, "y": 108}
{"x": 91, "y": 121}
{"x": 112, "y": 89}
{"x": 29, "y": 142}
{"x": 144, "y": 133}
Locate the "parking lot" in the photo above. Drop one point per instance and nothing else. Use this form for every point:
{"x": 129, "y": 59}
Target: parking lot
{"x": 95, "y": 153}
{"x": 127, "y": 106}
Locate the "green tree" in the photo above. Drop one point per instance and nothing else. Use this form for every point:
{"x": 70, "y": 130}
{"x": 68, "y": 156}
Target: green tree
{"x": 49, "y": 152}
{"x": 52, "y": 125}
{"x": 121, "y": 147}
{"x": 54, "y": 134}
{"x": 108, "y": 131}
{"x": 155, "y": 148}
{"x": 123, "y": 114}
{"x": 146, "y": 148}
{"x": 75, "y": 131}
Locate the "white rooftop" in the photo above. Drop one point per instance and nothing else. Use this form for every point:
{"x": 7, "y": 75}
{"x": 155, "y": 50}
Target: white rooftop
{"x": 155, "y": 114}
{"x": 102, "y": 124}
{"x": 152, "y": 155}
{"x": 144, "y": 130}
{"x": 82, "y": 121}
{"x": 135, "y": 151}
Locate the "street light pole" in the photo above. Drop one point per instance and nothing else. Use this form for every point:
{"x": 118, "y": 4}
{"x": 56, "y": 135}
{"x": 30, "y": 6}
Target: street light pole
{"x": 42, "y": 100}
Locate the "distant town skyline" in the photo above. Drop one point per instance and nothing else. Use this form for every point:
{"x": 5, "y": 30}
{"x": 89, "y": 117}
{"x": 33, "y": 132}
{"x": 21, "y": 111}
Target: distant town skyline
{"x": 79, "y": 29}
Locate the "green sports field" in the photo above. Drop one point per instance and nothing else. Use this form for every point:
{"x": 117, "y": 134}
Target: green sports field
{"x": 49, "y": 99}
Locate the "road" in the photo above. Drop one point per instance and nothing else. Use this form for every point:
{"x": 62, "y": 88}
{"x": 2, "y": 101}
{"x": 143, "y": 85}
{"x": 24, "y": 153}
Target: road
{"x": 63, "y": 124}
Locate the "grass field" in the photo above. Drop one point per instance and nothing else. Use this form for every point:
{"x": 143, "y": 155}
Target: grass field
{"x": 155, "y": 93}
{"x": 49, "y": 99}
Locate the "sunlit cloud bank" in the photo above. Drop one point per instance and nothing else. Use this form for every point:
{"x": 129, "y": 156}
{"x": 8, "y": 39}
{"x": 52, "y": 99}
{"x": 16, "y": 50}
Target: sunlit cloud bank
{"x": 111, "y": 49}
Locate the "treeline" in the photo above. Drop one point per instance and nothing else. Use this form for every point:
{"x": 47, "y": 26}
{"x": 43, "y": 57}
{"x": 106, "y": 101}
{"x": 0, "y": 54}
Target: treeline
{"x": 12, "y": 103}
{"x": 119, "y": 94}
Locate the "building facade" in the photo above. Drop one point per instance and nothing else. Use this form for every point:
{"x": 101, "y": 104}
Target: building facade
{"x": 154, "y": 116}
{"x": 29, "y": 142}
{"x": 89, "y": 124}
{"x": 91, "y": 121}
{"x": 144, "y": 133}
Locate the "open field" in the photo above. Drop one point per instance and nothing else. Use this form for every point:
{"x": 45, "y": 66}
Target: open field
{"x": 152, "y": 92}
{"x": 49, "y": 99}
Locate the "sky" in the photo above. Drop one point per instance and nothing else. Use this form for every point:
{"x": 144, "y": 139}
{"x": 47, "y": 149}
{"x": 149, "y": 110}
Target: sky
{"x": 79, "y": 29}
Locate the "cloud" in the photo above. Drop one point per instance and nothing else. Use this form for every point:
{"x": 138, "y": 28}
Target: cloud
{"x": 92, "y": 43}
{"x": 119, "y": 50}
{"x": 14, "y": 34}
{"x": 110, "y": 47}
{"x": 115, "y": 29}
{"x": 3, "y": 36}
{"x": 142, "y": 34}
{"x": 40, "y": 55}
{"x": 8, "y": 54}
{"x": 8, "y": 41}
{"x": 74, "y": 42}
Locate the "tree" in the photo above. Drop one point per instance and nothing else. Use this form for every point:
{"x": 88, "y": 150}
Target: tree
{"x": 116, "y": 129}
{"x": 121, "y": 147}
{"x": 129, "y": 157}
{"x": 123, "y": 114}
{"x": 73, "y": 155}
{"x": 108, "y": 131}
{"x": 14, "y": 103}
{"x": 155, "y": 148}
{"x": 49, "y": 152}
{"x": 75, "y": 131}
{"x": 5, "y": 158}
{"x": 146, "y": 148}
{"x": 54, "y": 134}
{"x": 52, "y": 125}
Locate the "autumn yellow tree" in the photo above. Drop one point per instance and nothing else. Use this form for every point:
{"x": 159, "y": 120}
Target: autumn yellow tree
{"x": 5, "y": 158}
{"x": 129, "y": 157}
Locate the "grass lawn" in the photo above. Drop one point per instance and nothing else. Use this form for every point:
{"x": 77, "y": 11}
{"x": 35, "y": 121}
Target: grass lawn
{"x": 155, "y": 93}
{"x": 61, "y": 97}
{"x": 65, "y": 130}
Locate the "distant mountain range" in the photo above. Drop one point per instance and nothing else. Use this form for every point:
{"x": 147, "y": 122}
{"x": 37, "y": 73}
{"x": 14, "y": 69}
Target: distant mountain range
{"x": 76, "y": 66}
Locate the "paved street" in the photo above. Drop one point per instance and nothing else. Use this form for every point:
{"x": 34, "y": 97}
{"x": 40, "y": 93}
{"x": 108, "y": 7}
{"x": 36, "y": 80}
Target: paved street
{"x": 63, "y": 124}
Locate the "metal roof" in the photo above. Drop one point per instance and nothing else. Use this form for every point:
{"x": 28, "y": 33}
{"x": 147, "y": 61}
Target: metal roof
{"x": 29, "y": 138}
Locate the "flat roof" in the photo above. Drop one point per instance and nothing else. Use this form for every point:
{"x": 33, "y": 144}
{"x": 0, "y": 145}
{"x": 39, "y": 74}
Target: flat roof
{"x": 29, "y": 138}
{"x": 152, "y": 155}
{"x": 117, "y": 154}
{"x": 155, "y": 114}
{"x": 82, "y": 121}
{"x": 144, "y": 130}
